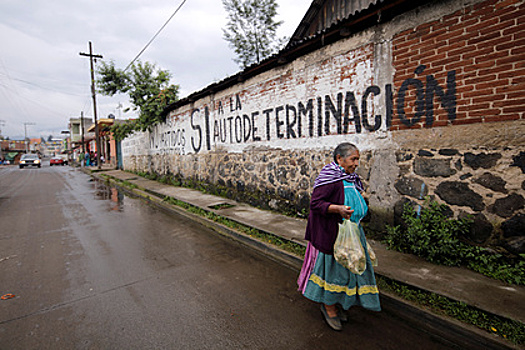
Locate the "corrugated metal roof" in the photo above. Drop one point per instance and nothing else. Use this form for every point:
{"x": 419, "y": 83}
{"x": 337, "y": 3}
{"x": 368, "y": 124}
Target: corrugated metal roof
{"x": 322, "y": 14}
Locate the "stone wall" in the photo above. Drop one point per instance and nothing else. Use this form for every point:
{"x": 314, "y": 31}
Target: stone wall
{"x": 433, "y": 99}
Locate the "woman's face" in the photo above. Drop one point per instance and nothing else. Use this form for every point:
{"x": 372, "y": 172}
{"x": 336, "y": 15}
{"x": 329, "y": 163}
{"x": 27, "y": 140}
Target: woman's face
{"x": 350, "y": 162}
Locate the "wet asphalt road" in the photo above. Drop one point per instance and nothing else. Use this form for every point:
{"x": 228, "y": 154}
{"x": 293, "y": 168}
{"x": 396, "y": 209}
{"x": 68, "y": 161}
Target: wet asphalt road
{"x": 91, "y": 268}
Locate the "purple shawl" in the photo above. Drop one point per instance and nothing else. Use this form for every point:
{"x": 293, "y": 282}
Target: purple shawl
{"x": 333, "y": 172}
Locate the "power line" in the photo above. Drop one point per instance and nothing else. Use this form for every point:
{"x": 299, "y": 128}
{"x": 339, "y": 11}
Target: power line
{"x": 156, "y": 34}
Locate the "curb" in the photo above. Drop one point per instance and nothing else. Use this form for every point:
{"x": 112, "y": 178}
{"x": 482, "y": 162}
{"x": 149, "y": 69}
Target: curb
{"x": 448, "y": 330}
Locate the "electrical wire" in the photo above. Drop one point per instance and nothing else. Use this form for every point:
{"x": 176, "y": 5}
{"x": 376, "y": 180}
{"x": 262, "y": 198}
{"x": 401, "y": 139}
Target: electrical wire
{"x": 156, "y": 34}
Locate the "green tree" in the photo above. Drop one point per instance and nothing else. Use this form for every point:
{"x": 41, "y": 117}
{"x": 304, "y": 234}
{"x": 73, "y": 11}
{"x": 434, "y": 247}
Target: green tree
{"x": 148, "y": 88}
{"x": 251, "y": 30}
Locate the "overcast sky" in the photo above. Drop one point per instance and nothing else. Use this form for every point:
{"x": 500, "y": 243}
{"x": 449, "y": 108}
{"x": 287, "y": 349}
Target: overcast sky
{"x": 44, "y": 81}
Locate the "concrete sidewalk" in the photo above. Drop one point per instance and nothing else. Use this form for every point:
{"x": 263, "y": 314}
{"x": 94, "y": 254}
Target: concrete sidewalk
{"x": 456, "y": 283}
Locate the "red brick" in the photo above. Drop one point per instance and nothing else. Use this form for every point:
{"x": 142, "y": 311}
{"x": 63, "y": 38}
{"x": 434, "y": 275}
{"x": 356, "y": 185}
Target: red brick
{"x": 519, "y": 30}
{"x": 423, "y": 28}
{"x": 518, "y": 50}
{"x": 484, "y": 101}
{"x": 433, "y": 34}
{"x": 519, "y": 65}
{"x": 402, "y": 45}
{"x": 484, "y": 50}
{"x": 440, "y": 123}
{"x": 492, "y": 56}
{"x": 474, "y": 107}
{"x": 507, "y": 103}
{"x": 466, "y": 121}
{"x": 479, "y": 80}
{"x": 483, "y": 66}
{"x": 506, "y": 3}
{"x": 511, "y": 59}
{"x": 514, "y": 94}
{"x": 457, "y": 34}
{"x": 512, "y": 14}
{"x": 479, "y": 92}
{"x": 459, "y": 65}
{"x": 485, "y": 39}
{"x": 499, "y": 28}
{"x": 514, "y": 73}
{"x": 459, "y": 51}
{"x": 502, "y": 118}
{"x": 484, "y": 4}
{"x": 483, "y": 25}
{"x": 510, "y": 44}
{"x": 483, "y": 113}
{"x": 495, "y": 69}
{"x": 466, "y": 21}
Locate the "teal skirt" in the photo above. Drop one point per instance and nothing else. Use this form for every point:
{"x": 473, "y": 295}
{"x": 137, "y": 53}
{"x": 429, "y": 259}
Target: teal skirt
{"x": 324, "y": 280}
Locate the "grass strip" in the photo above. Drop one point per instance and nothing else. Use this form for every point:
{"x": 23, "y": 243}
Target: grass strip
{"x": 513, "y": 331}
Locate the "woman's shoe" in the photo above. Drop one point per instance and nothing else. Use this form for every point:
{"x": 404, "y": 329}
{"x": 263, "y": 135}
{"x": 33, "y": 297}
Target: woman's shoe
{"x": 333, "y": 322}
{"x": 342, "y": 313}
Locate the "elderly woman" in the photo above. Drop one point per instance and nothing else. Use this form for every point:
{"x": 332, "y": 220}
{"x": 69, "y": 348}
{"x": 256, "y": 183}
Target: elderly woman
{"x": 336, "y": 196}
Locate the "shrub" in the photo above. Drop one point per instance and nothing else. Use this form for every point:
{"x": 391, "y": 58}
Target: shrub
{"x": 436, "y": 238}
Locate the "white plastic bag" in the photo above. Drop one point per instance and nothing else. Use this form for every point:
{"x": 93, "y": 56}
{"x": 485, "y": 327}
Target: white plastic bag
{"x": 348, "y": 250}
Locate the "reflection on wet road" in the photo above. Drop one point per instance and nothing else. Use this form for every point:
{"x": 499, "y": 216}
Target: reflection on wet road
{"x": 92, "y": 268}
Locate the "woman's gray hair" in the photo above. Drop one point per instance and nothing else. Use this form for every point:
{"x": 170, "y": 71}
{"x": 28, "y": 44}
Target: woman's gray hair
{"x": 344, "y": 149}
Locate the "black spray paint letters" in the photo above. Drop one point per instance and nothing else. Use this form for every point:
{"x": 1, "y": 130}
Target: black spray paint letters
{"x": 316, "y": 117}
{"x": 174, "y": 140}
{"x": 425, "y": 98}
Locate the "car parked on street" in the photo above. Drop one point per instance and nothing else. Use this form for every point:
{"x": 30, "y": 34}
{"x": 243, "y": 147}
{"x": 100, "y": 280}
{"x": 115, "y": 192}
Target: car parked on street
{"x": 30, "y": 159}
{"x": 57, "y": 160}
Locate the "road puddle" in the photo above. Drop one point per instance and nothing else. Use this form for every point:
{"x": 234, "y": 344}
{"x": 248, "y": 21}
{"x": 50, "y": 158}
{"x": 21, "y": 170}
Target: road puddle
{"x": 109, "y": 193}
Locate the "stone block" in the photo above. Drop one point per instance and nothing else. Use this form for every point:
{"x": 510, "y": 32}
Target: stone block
{"x": 411, "y": 187}
{"x": 519, "y": 161}
{"x": 514, "y": 227}
{"x": 458, "y": 193}
{"x": 492, "y": 182}
{"x": 482, "y": 160}
{"x": 433, "y": 167}
{"x": 506, "y": 207}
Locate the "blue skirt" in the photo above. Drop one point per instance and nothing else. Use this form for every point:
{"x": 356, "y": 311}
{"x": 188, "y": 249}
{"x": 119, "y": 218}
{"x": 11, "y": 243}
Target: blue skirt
{"x": 324, "y": 280}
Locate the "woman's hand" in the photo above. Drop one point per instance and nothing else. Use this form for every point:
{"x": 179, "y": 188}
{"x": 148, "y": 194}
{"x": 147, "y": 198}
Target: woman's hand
{"x": 343, "y": 210}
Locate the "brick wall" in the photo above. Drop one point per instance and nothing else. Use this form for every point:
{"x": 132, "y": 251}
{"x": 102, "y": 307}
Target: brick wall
{"x": 481, "y": 48}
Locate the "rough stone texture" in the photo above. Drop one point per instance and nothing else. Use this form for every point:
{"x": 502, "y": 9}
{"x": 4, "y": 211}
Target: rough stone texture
{"x": 507, "y": 206}
{"x": 383, "y": 173}
{"x": 458, "y": 193}
{"x": 481, "y": 160}
{"x": 402, "y": 156}
{"x": 492, "y": 182}
{"x": 433, "y": 167}
{"x": 424, "y": 153}
{"x": 411, "y": 187}
{"x": 481, "y": 229}
{"x": 399, "y": 208}
{"x": 448, "y": 152}
{"x": 515, "y": 245}
{"x": 464, "y": 137}
{"x": 519, "y": 161}
{"x": 514, "y": 227}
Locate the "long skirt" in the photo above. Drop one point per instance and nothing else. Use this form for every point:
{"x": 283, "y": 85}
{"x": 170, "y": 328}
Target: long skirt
{"x": 324, "y": 280}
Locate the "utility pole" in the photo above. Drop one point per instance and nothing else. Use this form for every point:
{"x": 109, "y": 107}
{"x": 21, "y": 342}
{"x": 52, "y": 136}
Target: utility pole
{"x": 25, "y": 134}
{"x": 82, "y": 131}
{"x": 93, "y": 93}
{"x": 2, "y": 123}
